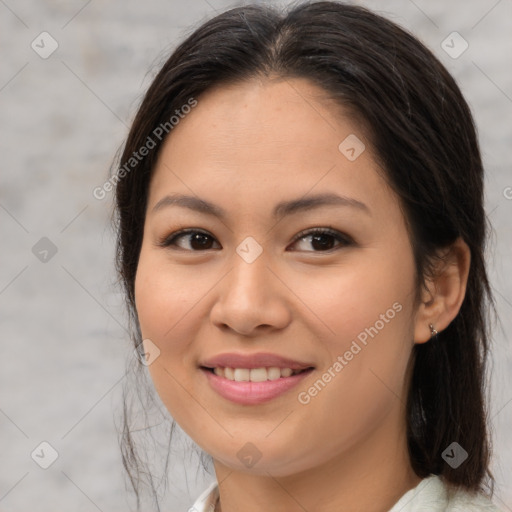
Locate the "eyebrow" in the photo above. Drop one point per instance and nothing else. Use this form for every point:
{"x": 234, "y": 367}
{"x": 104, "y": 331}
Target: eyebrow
{"x": 281, "y": 209}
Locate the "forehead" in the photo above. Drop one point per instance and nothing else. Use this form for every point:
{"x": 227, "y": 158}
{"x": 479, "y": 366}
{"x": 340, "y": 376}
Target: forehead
{"x": 272, "y": 116}
{"x": 260, "y": 140}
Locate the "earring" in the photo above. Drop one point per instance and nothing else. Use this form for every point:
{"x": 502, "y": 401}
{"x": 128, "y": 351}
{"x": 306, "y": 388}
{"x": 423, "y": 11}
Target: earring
{"x": 433, "y": 332}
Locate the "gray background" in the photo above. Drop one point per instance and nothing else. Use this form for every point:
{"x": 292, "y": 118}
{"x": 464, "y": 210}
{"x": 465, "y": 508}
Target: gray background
{"x": 64, "y": 346}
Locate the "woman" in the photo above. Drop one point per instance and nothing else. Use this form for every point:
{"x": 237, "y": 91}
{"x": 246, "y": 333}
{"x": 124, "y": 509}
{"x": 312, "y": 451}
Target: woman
{"x": 301, "y": 237}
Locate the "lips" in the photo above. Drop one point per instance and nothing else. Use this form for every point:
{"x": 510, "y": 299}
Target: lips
{"x": 253, "y": 379}
{"x": 250, "y": 361}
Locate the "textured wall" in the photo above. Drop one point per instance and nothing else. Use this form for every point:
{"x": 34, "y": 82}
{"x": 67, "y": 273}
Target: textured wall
{"x": 63, "y": 340}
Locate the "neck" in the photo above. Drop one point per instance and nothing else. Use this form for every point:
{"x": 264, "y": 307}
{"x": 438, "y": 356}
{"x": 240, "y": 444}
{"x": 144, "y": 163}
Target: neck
{"x": 371, "y": 477}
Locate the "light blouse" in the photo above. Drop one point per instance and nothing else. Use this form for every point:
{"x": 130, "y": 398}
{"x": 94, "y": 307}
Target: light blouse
{"x": 430, "y": 495}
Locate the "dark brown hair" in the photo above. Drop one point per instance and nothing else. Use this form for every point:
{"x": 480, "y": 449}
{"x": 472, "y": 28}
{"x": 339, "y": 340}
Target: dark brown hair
{"x": 422, "y": 132}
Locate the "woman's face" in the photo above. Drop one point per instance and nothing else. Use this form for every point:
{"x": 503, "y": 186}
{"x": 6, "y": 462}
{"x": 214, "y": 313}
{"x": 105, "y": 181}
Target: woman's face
{"x": 336, "y": 304}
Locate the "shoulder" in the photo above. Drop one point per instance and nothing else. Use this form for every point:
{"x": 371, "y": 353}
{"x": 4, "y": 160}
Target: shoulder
{"x": 463, "y": 501}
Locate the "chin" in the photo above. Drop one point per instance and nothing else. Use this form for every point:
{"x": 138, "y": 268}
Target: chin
{"x": 251, "y": 459}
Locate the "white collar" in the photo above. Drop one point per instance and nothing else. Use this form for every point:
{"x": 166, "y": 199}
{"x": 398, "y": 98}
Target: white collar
{"x": 207, "y": 500}
{"x": 429, "y": 495}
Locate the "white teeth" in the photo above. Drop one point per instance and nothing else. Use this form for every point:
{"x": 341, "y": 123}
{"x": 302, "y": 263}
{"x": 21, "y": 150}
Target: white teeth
{"x": 253, "y": 374}
{"x": 242, "y": 374}
{"x": 258, "y": 375}
{"x": 273, "y": 373}
{"x": 286, "y": 372}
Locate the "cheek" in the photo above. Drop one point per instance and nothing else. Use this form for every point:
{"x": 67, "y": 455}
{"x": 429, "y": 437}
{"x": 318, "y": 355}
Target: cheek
{"x": 164, "y": 300}
{"x": 165, "y": 304}
{"x": 365, "y": 316}
{"x": 362, "y": 380}
{"x": 358, "y": 298}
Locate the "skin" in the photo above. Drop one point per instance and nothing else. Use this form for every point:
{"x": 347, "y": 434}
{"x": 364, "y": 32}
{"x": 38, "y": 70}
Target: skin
{"x": 246, "y": 147}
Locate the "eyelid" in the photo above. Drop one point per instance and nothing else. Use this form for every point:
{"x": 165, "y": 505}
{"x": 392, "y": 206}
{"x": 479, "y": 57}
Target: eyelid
{"x": 167, "y": 240}
{"x": 345, "y": 240}
{"x": 327, "y": 230}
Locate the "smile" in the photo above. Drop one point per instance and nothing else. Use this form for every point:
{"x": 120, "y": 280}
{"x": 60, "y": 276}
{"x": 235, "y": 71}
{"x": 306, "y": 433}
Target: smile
{"x": 254, "y": 374}
{"x": 253, "y": 386}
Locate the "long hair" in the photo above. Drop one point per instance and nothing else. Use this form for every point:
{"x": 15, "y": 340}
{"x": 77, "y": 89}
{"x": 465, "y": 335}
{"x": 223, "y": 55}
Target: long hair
{"x": 423, "y": 134}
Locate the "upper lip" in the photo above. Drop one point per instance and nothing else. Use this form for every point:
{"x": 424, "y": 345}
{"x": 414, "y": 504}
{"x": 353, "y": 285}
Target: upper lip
{"x": 259, "y": 360}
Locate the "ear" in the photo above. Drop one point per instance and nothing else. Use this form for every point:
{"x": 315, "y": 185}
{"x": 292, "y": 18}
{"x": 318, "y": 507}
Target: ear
{"x": 444, "y": 293}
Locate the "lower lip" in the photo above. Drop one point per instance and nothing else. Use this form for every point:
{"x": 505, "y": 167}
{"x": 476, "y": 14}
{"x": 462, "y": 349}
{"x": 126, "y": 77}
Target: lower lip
{"x": 253, "y": 393}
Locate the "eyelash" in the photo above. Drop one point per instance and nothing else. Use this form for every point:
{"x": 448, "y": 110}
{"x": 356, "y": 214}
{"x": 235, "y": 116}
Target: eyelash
{"x": 344, "y": 240}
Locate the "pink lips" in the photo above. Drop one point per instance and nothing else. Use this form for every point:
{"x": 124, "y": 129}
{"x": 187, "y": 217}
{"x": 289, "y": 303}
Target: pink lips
{"x": 259, "y": 360}
{"x": 253, "y": 393}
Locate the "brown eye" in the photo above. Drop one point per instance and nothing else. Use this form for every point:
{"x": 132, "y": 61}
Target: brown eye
{"x": 196, "y": 240}
{"x": 323, "y": 240}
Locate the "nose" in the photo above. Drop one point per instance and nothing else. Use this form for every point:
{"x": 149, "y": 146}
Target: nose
{"x": 251, "y": 299}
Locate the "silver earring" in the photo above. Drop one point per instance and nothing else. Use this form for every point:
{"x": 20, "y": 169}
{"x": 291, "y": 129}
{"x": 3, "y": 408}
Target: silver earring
{"x": 433, "y": 332}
